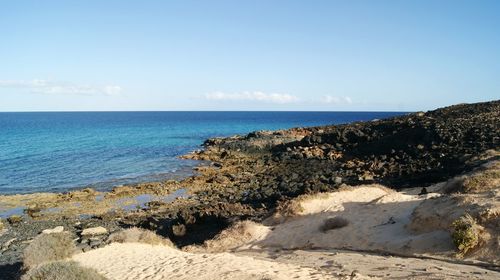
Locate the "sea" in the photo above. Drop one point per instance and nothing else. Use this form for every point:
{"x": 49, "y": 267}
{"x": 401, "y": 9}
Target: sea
{"x": 63, "y": 151}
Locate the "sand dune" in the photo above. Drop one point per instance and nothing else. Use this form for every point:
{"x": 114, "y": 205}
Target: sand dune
{"x": 142, "y": 261}
{"x": 377, "y": 220}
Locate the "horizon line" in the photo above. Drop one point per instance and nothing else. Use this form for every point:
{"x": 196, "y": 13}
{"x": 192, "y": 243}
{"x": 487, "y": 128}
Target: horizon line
{"x": 210, "y": 111}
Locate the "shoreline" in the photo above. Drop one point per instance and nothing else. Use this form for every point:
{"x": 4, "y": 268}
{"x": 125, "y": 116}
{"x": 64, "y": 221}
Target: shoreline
{"x": 256, "y": 176}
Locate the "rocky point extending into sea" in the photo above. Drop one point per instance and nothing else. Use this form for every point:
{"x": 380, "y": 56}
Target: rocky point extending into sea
{"x": 251, "y": 177}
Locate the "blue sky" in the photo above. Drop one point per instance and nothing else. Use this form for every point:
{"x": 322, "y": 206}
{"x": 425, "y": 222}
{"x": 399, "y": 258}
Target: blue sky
{"x": 247, "y": 55}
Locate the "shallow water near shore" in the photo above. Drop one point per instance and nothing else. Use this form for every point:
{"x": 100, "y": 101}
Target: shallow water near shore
{"x": 140, "y": 201}
{"x": 54, "y": 152}
{"x": 127, "y": 204}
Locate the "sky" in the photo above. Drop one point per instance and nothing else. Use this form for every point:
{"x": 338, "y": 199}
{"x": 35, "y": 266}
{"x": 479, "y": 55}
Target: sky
{"x": 121, "y": 55}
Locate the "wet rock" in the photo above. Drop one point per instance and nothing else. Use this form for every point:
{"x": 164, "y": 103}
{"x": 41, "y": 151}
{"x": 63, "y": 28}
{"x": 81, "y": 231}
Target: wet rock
{"x": 33, "y": 211}
{"x": 14, "y": 219}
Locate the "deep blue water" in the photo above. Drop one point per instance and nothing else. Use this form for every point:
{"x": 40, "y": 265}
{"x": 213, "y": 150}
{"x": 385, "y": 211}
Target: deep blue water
{"x": 62, "y": 151}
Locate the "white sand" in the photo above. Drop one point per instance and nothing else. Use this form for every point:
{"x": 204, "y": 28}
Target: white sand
{"x": 373, "y": 265}
{"x": 142, "y": 261}
{"x": 378, "y": 219}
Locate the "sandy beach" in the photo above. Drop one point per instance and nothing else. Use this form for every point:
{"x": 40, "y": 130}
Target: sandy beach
{"x": 141, "y": 261}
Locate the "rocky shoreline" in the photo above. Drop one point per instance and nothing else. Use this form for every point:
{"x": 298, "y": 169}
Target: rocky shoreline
{"x": 250, "y": 177}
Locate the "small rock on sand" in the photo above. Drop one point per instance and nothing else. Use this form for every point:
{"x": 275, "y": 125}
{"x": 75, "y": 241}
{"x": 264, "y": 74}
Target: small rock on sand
{"x": 7, "y": 244}
{"x": 94, "y": 231}
{"x": 53, "y": 230}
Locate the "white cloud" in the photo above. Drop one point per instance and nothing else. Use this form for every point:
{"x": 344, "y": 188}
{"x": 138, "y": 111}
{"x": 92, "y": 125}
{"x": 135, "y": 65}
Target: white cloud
{"x": 336, "y": 100}
{"x": 50, "y": 87}
{"x": 253, "y": 96}
{"x": 112, "y": 90}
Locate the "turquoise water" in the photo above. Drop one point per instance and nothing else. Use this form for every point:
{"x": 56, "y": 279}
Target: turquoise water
{"x": 62, "y": 151}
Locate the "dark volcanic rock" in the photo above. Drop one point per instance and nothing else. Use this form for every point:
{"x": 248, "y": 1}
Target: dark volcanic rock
{"x": 414, "y": 150}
